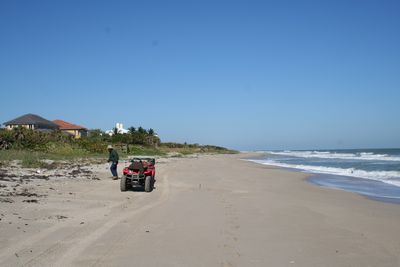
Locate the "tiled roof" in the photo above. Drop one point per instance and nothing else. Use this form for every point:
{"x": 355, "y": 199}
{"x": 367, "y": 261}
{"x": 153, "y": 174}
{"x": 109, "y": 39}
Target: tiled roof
{"x": 36, "y": 120}
{"x": 68, "y": 126}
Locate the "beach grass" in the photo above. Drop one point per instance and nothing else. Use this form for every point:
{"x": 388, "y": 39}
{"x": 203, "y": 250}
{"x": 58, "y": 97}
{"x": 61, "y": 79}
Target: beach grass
{"x": 36, "y": 159}
{"x": 190, "y": 150}
{"x": 143, "y": 150}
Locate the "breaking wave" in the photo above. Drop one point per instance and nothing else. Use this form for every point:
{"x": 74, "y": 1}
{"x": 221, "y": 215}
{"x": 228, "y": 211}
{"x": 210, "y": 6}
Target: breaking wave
{"x": 388, "y": 177}
{"x": 337, "y": 155}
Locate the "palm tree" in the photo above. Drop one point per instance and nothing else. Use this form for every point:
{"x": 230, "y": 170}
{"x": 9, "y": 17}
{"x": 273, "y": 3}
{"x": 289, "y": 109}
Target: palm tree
{"x": 142, "y": 130}
{"x": 132, "y": 130}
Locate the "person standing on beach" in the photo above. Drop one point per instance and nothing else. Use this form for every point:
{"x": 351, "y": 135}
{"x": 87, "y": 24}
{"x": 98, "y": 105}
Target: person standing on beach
{"x": 113, "y": 158}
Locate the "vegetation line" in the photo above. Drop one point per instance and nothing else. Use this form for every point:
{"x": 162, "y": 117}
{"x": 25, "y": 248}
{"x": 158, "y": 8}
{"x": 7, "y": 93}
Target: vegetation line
{"x": 32, "y": 147}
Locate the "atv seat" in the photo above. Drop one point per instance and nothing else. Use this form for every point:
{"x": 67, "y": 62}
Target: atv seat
{"x": 137, "y": 166}
{"x": 145, "y": 165}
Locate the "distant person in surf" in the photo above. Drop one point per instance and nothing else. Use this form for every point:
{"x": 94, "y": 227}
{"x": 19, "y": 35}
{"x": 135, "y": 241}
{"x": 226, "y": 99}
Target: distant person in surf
{"x": 113, "y": 158}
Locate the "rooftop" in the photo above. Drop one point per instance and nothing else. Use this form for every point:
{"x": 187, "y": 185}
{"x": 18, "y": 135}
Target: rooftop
{"x": 68, "y": 126}
{"x": 36, "y": 120}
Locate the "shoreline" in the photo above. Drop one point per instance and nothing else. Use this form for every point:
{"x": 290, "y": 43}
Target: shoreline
{"x": 368, "y": 188}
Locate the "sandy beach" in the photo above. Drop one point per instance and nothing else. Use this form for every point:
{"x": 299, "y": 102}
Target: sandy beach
{"x": 211, "y": 210}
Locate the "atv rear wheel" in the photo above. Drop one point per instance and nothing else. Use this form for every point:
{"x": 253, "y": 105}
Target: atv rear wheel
{"x": 148, "y": 184}
{"x": 123, "y": 185}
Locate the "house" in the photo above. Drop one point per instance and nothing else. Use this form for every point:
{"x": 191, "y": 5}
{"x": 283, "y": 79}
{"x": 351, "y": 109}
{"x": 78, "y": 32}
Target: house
{"x": 119, "y": 127}
{"x": 32, "y": 121}
{"x": 71, "y": 129}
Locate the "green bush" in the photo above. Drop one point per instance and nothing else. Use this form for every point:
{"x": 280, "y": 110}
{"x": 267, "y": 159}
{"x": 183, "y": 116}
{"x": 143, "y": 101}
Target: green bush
{"x": 143, "y": 150}
{"x": 30, "y": 145}
{"x": 31, "y": 162}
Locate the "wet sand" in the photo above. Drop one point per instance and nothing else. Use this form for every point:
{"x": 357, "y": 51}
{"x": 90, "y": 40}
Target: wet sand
{"x": 205, "y": 211}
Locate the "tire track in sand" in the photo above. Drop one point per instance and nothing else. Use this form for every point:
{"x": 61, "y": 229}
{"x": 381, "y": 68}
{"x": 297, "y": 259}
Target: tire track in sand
{"x": 73, "y": 253}
{"x": 20, "y": 253}
{"x": 28, "y": 243}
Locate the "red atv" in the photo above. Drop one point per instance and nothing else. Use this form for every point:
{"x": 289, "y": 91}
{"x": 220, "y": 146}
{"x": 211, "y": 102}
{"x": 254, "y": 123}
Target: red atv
{"x": 141, "y": 172}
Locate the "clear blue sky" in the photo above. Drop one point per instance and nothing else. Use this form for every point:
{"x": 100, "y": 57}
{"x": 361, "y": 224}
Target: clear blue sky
{"x": 243, "y": 74}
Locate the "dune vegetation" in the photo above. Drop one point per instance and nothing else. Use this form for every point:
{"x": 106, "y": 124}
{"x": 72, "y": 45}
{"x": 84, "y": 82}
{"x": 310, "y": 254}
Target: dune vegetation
{"x": 32, "y": 147}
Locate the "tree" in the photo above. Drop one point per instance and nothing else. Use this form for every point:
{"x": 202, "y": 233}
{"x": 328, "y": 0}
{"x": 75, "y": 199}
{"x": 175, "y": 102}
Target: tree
{"x": 151, "y": 132}
{"x": 132, "y": 130}
{"x": 95, "y": 133}
{"x": 141, "y": 130}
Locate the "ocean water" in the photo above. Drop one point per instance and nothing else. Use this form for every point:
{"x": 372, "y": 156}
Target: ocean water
{"x": 371, "y": 172}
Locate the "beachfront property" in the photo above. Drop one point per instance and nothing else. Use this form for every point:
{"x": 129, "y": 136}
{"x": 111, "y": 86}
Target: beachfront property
{"x": 33, "y": 122}
{"x": 119, "y": 127}
{"x": 74, "y": 130}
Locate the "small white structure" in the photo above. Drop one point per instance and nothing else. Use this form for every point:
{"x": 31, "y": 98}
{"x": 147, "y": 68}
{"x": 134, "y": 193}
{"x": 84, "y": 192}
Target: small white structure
{"x": 120, "y": 129}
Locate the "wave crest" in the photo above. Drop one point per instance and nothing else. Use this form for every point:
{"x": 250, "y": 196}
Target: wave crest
{"x": 336, "y": 155}
{"x": 389, "y": 177}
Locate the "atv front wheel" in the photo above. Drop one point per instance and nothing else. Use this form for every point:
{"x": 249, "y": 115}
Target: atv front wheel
{"x": 123, "y": 185}
{"x": 148, "y": 184}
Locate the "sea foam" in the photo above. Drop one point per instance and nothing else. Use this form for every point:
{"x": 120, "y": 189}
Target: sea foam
{"x": 336, "y": 155}
{"x": 389, "y": 177}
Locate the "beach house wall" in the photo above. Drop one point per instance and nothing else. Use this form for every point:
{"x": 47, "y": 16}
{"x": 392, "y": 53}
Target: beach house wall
{"x": 74, "y": 130}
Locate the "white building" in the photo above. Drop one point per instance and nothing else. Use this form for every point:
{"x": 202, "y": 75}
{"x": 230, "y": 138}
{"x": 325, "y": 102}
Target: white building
{"x": 120, "y": 129}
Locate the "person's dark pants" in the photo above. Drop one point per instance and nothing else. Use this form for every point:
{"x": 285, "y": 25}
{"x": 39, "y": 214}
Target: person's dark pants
{"x": 113, "y": 169}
